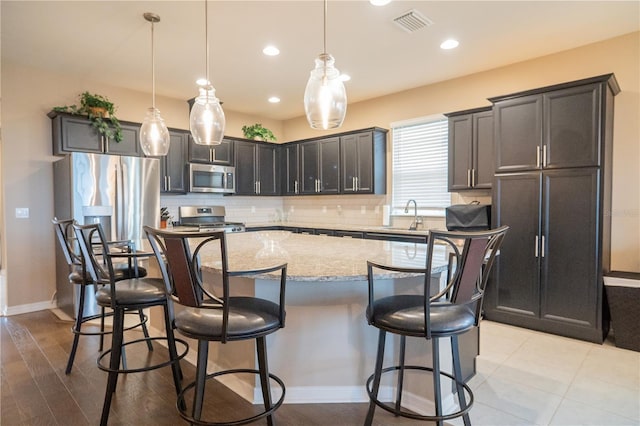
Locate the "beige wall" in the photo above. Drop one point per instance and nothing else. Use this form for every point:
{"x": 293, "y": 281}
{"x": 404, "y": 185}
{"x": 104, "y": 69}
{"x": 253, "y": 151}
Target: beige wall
{"x": 27, "y": 95}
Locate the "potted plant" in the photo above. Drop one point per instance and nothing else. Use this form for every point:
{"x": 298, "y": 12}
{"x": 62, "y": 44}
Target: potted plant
{"x": 101, "y": 113}
{"x": 257, "y": 132}
{"x": 165, "y": 216}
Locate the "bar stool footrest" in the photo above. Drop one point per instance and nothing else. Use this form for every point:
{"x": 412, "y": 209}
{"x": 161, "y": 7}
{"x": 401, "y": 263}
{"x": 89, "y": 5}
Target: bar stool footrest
{"x": 181, "y": 403}
{"x": 412, "y": 415}
{"x": 106, "y": 332}
{"x": 147, "y": 368}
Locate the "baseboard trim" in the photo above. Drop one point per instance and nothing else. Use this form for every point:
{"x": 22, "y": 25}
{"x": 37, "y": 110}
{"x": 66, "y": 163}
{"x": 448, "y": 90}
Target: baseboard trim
{"x": 28, "y": 308}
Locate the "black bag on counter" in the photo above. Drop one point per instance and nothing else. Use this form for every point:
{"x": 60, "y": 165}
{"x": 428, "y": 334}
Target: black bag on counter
{"x": 468, "y": 217}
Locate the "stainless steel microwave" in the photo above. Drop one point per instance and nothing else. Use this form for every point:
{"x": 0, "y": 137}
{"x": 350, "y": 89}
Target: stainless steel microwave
{"x": 211, "y": 178}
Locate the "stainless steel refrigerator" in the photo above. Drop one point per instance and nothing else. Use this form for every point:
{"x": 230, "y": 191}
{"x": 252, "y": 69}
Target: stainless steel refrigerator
{"x": 121, "y": 193}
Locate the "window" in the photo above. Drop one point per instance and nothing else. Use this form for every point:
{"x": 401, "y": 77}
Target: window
{"x": 420, "y": 165}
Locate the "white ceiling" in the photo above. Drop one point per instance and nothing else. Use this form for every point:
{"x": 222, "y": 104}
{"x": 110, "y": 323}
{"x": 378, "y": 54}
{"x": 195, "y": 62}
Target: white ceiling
{"x": 110, "y": 42}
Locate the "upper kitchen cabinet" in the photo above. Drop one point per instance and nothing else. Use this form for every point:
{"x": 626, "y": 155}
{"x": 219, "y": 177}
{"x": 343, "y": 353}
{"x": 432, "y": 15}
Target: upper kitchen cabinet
{"x": 214, "y": 154}
{"x": 552, "y": 127}
{"x": 173, "y": 165}
{"x": 290, "y": 170}
{"x": 74, "y": 133}
{"x": 256, "y": 168}
{"x": 320, "y": 166}
{"x": 470, "y": 149}
{"x": 363, "y": 162}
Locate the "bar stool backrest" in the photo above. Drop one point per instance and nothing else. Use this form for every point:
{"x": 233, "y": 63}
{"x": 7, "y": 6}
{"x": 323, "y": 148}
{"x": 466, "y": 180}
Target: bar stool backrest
{"x": 473, "y": 263}
{"x": 64, "y": 232}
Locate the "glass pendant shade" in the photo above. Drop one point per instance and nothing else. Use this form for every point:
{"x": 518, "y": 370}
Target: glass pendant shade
{"x": 325, "y": 97}
{"x": 154, "y": 135}
{"x": 207, "y": 121}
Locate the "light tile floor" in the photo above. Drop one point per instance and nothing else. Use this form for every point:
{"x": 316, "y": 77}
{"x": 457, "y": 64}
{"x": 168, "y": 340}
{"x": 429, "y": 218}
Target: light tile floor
{"x": 526, "y": 377}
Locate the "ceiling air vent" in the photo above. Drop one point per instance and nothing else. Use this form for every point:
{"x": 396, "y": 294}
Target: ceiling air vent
{"x": 412, "y": 21}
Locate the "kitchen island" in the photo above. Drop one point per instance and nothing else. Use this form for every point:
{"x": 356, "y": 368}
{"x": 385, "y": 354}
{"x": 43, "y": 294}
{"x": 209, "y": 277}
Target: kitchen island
{"x": 327, "y": 350}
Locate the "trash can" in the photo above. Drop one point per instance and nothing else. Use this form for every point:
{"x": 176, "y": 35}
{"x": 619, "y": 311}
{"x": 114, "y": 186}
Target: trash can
{"x": 623, "y": 294}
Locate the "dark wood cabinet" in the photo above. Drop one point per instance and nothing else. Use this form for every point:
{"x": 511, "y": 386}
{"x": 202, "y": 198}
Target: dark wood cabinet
{"x": 173, "y": 176}
{"x": 74, "y": 133}
{"x": 363, "y": 162}
{"x": 256, "y": 168}
{"x": 549, "y": 275}
{"x": 470, "y": 149}
{"x": 320, "y": 166}
{"x": 556, "y": 129}
{"x": 214, "y": 154}
{"x": 290, "y": 160}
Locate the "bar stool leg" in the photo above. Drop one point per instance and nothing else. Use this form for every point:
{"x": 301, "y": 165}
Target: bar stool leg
{"x": 114, "y": 363}
{"x": 201, "y": 377}
{"x": 145, "y": 330}
{"x": 435, "y": 353}
{"x": 264, "y": 377}
{"x": 173, "y": 355}
{"x": 76, "y": 331}
{"x": 457, "y": 372}
{"x": 403, "y": 346}
{"x": 376, "y": 378}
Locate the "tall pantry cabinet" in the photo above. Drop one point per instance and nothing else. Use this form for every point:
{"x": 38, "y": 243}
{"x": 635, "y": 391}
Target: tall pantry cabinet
{"x": 553, "y": 156}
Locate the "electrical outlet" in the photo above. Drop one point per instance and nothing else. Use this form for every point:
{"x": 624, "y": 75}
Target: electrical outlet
{"x": 22, "y": 212}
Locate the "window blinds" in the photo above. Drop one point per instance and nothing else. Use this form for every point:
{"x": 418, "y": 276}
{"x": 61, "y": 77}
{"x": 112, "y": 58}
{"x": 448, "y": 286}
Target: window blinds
{"x": 420, "y": 165}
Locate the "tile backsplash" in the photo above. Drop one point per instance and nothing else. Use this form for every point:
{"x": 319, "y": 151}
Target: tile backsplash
{"x": 315, "y": 210}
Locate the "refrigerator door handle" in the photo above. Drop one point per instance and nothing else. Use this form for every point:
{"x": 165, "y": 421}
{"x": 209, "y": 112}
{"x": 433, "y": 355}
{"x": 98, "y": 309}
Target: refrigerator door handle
{"x": 119, "y": 213}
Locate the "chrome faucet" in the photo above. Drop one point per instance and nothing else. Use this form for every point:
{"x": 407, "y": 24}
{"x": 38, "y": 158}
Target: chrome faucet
{"x": 416, "y": 220}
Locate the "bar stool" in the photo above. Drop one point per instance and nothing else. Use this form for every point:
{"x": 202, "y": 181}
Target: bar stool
{"x": 432, "y": 314}
{"x": 221, "y": 317}
{"x": 78, "y": 276}
{"x": 121, "y": 296}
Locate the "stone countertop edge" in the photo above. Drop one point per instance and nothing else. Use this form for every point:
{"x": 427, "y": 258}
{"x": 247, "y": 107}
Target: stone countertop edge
{"x": 340, "y": 227}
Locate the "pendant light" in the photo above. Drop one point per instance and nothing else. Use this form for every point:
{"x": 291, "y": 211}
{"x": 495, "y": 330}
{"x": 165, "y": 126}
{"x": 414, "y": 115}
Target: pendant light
{"x": 325, "y": 98}
{"x": 206, "y": 120}
{"x": 154, "y": 135}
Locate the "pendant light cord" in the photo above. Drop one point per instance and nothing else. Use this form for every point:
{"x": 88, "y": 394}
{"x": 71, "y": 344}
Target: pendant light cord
{"x": 153, "y": 70}
{"x": 206, "y": 37}
{"x": 324, "y": 46}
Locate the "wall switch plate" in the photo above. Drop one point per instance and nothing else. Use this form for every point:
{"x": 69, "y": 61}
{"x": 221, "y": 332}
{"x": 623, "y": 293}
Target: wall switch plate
{"x": 22, "y": 212}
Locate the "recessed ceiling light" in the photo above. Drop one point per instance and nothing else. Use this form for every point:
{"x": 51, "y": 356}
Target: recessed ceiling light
{"x": 449, "y": 44}
{"x": 379, "y": 2}
{"x": 271, "y": 51}
{"x": 345, "y": 77}
{"x": 274, "y": 99}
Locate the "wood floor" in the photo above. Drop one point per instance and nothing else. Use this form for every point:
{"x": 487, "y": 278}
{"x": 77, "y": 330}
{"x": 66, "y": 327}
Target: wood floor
{"x": 35, "y": 390}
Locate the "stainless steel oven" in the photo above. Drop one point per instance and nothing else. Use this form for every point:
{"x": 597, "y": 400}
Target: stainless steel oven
{"x": 211, "y": 178}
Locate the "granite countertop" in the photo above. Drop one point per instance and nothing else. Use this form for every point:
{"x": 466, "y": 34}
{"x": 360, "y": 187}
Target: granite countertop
{"x": 342, "y": 227}
{"x": 321, "y": 258}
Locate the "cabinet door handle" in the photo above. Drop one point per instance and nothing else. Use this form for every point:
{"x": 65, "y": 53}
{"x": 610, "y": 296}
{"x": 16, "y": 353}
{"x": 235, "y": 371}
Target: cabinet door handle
{"x": 544, "y": 156}
{"x": 473, "y": 178}
{"x": 168, "y": 183}
{"x": 357, "y": 184}
{"x": 469, "y": 178}
{"x": 259, "y": 187}
{"x": 295, "y": 187}
{"x": 353, "y": 184}
{"x": 537, "y": 156}
{"x": 213, "y": 154}
{"x": 104, "y": 146}
{"x": 535, "y": 249}
{"x": 542, "y": 247}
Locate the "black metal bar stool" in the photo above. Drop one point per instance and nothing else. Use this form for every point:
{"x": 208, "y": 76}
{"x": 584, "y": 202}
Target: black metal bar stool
{"x": 446, "y": 312}
{"x": 79, "y": 276}
{"x": 133, "y": 294}
{"x": 222, "y": 317}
